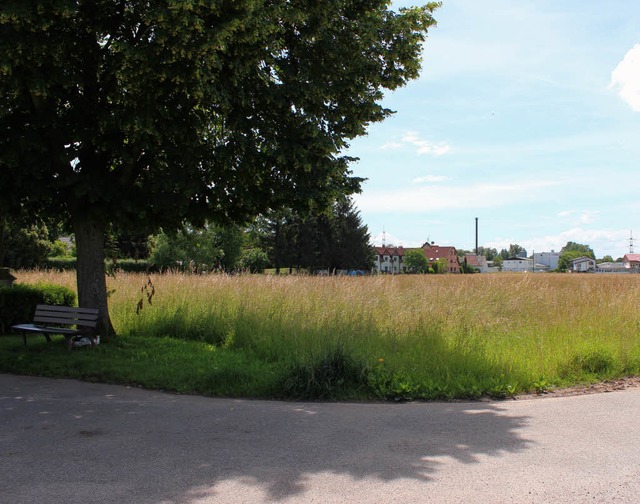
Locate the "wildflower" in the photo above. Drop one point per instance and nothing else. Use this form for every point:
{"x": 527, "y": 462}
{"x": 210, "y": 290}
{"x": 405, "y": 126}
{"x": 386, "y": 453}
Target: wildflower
{"x": 380, "y": 360}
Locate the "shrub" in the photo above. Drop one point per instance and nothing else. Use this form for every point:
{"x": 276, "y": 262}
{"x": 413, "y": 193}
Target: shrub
{"x": 597, "y": 361}
{"x": 18, "y": 303}
{"x": 253, "y": 260}
{"x": 333, "y": 375}
{"x": 60, "y": 249}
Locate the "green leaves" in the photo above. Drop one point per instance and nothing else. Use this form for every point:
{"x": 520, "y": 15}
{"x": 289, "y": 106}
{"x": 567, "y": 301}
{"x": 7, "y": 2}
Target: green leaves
{"x": 194, "y": 109}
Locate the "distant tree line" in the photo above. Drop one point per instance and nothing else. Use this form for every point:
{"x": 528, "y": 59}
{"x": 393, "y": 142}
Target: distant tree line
{"x": 331, "y": 240}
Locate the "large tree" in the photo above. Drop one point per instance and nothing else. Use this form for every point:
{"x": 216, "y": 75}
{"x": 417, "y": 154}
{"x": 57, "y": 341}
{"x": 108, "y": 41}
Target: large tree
{"x": 149, "y": 113}
{"x": 333, "y": 239}
{"x": 347, "y": 241}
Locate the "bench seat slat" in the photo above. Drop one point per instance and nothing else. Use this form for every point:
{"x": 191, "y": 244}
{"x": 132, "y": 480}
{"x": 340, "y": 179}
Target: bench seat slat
{"x": 68, "y": 309}
{"x": 65, "y": 321}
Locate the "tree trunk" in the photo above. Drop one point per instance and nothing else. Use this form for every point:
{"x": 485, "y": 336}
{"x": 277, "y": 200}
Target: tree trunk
{"x": 4, "y": 226}
{"x": 91, "y": 272}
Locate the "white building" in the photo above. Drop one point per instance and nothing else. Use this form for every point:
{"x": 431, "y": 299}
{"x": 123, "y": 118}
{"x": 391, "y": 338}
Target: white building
{"x": 517, "y": 264}
{"x": 522, "y": 264}
{"x": 583, "y": 264}
{"x": 549, "y": 259}
{"x": 389, "y": 259}
{"x": 611, "y": 267}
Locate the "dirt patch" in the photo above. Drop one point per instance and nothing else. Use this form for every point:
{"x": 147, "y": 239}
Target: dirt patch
{"x": 594, "y": 388}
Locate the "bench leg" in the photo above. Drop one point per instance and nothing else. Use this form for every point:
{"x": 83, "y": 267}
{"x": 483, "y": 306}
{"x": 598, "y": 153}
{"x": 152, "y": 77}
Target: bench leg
{"x": 24, "y": 337}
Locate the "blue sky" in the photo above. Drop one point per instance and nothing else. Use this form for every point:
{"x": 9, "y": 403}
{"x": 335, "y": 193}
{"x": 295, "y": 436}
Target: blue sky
{"x": 526, "y": 116}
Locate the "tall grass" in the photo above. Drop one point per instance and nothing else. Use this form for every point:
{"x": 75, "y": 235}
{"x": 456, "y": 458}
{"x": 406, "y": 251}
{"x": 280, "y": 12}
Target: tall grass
{"x": 411, "y": 336}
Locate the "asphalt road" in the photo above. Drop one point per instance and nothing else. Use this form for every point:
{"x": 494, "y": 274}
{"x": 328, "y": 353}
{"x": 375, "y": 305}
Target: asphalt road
{"x": 63, "y": 441}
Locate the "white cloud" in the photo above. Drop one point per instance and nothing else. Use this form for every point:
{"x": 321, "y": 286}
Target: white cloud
{"x": 432, "y": 179}
{"x": 432, "y": 198}
{"x": 425, "y": 146}
{"x": 582, "y": 217}
{"x": 390, "y": 239}
{"x": 626, "y": 78}
{"x": 421, "y": 146}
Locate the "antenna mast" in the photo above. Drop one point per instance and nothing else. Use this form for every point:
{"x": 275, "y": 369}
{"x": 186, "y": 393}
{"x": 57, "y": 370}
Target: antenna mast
{"x": 631, "y": 242}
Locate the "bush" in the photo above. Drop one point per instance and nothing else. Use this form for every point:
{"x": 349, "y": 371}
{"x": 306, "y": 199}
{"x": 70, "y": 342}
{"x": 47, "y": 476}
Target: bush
{"x": 60, "y": 249}
{"x": 130, "y": 266}
{"x": 333, "y": 375}
{"x": 18, "y": 303}
{"x": 596, "y": 361}
{"x": 254, "y": 260}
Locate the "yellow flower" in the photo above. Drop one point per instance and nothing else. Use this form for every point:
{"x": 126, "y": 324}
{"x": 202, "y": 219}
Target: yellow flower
{"x": 380, "y": 360}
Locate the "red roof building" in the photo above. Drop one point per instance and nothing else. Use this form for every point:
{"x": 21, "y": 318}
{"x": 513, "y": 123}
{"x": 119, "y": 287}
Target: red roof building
{"x": 434, "y": 253}
{"x": 389, "y": 259}
{"x": 631, "y": 261}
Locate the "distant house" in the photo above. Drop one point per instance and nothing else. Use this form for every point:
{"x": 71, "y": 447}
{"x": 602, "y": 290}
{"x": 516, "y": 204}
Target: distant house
{"x": 631, "y": 262}
{"x": 434, "y": 253}
{"x": 389, "y": 259}
{"x": 583, "y": 264}
{"x": 477, "y": 261}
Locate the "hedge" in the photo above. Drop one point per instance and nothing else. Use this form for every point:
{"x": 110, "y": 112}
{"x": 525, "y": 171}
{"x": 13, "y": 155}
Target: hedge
{"x": 125, "y": 265}
{"x": 18, "y": 303}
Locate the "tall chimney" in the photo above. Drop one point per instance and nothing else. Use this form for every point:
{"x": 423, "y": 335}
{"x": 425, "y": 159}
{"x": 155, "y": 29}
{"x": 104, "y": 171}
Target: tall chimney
{"x": 476, "y": 236}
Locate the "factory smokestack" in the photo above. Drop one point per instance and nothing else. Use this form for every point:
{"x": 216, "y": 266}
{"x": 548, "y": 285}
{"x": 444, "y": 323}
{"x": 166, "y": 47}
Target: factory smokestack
{"x": 476, "y": 236}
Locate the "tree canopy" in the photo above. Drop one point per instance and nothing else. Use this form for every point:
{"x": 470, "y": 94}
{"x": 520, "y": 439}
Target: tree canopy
{"x": 415, "y": 261}
{"x": 572, "y": 251}
{"x": 514, "y": 250}
{"x": 153, "y": 113}
{"x": 332, "y": 240}
{"x": 208, "y": 248}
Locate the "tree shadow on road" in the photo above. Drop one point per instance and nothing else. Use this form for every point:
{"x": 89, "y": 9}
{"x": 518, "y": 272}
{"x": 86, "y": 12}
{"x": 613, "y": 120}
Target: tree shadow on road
{"x": 170, "y": 448}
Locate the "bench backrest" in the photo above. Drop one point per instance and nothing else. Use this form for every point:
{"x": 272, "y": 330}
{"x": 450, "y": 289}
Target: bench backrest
{"x": 66, "y": 316}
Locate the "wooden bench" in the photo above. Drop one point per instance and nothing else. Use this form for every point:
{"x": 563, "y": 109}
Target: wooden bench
{"x": 65, "y": 320}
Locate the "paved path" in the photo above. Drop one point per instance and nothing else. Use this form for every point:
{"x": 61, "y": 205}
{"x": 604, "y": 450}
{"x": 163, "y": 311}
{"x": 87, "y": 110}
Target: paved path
{"x": 63, "y": 441}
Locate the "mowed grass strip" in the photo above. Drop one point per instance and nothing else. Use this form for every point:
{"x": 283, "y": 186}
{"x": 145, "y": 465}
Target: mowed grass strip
{"x": 387, "y": 337}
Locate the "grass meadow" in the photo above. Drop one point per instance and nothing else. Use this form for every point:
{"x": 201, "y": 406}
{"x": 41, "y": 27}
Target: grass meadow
{"x": 345, "y": 338}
